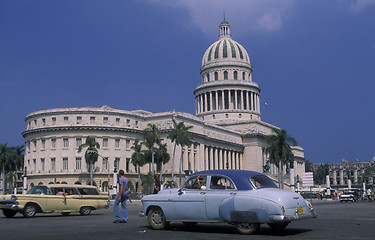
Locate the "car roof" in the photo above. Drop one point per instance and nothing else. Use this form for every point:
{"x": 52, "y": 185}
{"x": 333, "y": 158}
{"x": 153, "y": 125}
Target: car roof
{"x": 67, "y": 186}
{"x": 241, "y": 178}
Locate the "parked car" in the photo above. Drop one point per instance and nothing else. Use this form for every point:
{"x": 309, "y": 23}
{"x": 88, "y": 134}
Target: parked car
{"x": 351, "y": 196}
{"x": 245, "y": 199}
{"x": 60, "y": 198}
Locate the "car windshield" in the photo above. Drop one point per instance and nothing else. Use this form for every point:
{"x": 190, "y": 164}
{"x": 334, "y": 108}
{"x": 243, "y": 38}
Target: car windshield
{"x": 261, "y": 181}
{"x": 41, "y": 190}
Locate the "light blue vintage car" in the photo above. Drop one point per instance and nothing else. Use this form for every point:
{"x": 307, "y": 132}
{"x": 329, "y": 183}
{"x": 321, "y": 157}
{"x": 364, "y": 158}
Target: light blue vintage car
{"x": 243, "y": 198}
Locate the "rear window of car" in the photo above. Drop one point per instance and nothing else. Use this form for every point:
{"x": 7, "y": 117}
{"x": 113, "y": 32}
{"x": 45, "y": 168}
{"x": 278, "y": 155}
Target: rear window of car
{"x": 88, "y": 191}
{"x": 262, "y": 181}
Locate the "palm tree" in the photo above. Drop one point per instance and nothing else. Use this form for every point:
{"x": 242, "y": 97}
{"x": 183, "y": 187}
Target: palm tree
{"x": 152, "y": 137}
{"x": 19, "y": 157}
{"x": 161, "y": 157}
{"x": 280, "y": 152}
{"x": 90, "y": 155}
{"x": 6, "y": 157}
{"x": 180, "y": 136}
{"x": 138, "y": 160}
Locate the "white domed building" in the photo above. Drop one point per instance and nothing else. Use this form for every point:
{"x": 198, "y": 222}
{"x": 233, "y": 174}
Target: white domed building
{"x": 228, "y": 132}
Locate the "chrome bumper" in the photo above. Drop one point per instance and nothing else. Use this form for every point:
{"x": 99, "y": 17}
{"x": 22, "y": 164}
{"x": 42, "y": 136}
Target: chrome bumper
{"x": 296, "y": 216}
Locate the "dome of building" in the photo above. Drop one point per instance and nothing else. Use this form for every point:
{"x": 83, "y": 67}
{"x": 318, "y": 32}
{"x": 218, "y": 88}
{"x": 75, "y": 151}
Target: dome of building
{"x": 225, "y": 49}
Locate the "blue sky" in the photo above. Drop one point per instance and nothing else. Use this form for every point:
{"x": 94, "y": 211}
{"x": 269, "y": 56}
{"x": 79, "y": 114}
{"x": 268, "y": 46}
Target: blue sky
{"x": 314, "y": 61}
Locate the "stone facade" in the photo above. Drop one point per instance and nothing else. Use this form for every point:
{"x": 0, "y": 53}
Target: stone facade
{"x": 228, "y": 132}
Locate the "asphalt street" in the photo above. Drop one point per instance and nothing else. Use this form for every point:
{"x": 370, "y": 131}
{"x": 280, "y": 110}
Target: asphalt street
{"x": 335, "y": 221}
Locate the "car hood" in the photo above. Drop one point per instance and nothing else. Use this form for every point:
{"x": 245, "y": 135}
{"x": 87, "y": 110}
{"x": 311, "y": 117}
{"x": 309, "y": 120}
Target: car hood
{"x": 286, "y": 198}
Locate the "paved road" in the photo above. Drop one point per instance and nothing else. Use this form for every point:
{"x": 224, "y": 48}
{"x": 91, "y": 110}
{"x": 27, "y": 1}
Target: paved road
{"x": 335, "y": 221}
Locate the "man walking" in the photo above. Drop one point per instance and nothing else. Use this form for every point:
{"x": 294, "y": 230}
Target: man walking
{"x": 121, "y": 198}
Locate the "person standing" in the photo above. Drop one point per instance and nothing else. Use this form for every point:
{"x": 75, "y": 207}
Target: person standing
{"x": 157, "y": 184}
{"x": 121, "y": 198}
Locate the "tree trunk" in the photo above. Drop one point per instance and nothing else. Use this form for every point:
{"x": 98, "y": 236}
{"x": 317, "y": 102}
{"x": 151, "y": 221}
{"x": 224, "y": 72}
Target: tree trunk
{"x": 152, "y": 158}
{"x": 161, "y": 176}
{"x": 91, "y": 182}
{"x": 174, "y": 151}
{"x": 139, "y": 179}
{"x": 4, "y": 180}
{"x": 282, "y": 175}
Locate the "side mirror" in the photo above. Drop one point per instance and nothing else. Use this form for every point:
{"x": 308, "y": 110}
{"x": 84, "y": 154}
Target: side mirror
{"x": 180, "y": 192}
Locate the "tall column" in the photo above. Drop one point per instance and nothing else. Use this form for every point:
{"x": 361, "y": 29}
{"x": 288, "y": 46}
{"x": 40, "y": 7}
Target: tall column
{"x": 220, "y": 158}
{"x": 206, "y": 158}
{"x": 258, "y": 103}
{"x": 211, "y": 103}
{"x": 342, "y": 177}
{"x": 235, "y": 99}
{"x": 250, "y": 100}
{"x": 217, "y": 100}
{"x": 334, "y": 177}
{"x": 229, "y": 99}
{"x": 211, "y": 158}
{"x": 226, "y": 164}
{"x": 186, "y": 158}
{"x": 230, "y": 159}
{"x": 241, "y": 100}
{"x": 200, "y": 161}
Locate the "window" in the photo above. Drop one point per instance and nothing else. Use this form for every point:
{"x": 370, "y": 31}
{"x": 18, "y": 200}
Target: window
{"x": 66, "y": 119}
{"x": 216, "y": 76}
{"x": 105, "y": 164}
{"x": 105, "y": 120}
{"x": 219, "y": 182}
{"x": 35, "y": 123}
{"x": 65, "y": 163}
{"x": 235, "y": 74}
{"x": 105, "y": 142}
{"x": 78, "y": 142}
{"x": 243, "y": 76}
{"x": 34, "y": 164}
{"x": 79, "y": 120}
{"x": 225, "y": 74}
{"x": 128, "y": 122}
{"x": 43, "y": 121}
{"x": 66, "y": 142}
{"x": 208, "y": 77}
{"x": 127, "y": 144}
{"x": 53, "y": 164}
{"x": 78, "y": 163}
{"x": 43, "y": 144}
{"x": 117, "y": 120}
{"x": 34, "y": 145}
{"x": 92, "y": 119}
{"x": 127, "y": 165}
{"x": 117, "y": 163}
{"x": 42, "y": 163}
{"x": 53, "y": 121}
{"x": 197, "y": 182}
{"x": 136, "y": 124}
{"x": 117, "y": 143}
{"x": 53, "y": 143}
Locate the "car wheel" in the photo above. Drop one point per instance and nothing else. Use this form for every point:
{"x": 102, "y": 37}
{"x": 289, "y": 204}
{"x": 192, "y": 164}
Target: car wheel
{"x": 29, "y": 211}
{"x": 278, "y": 226}
{"x": 156, "y": 219}
{"x": 247, "y": 228}
{"x": 9, "y": 213}
{"x": 65, "y": 213}
{"x": 85, "y": 211}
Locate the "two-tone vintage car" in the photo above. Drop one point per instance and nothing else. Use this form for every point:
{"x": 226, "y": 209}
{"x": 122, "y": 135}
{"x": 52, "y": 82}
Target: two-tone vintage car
{"x": 245, "y": 199}
{"x": 60, "y": 198}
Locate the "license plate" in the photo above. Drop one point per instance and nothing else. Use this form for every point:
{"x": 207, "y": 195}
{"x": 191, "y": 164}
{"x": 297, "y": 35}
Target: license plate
{"x": 2, "y": 205}
{"x": 300, "y": 211}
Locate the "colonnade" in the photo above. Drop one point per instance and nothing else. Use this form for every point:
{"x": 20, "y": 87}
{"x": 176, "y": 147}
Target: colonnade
{"x": 199, "y": 157}
{"x": 227, "y": 100}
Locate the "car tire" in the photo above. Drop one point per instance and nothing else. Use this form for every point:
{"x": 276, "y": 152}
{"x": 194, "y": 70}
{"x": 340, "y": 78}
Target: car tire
{"x": 278, "y": 226}
{"x": 85, "y": 211}
{"x": 29, "y": 210}
{"x": 8, "y": 213}
{"x": 156, "y": 219}
{"x": 65, "y": 213}
{"x": 247, "y": 228}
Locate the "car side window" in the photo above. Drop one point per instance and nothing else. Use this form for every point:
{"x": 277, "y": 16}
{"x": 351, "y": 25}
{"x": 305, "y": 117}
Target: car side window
{"x": 220, "y": 182}
{"x": 88, "y": 191}
{"x": 196, "y": 182}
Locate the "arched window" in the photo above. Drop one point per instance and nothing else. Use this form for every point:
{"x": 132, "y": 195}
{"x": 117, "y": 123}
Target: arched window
{"x": 235, "y": 74}
{"x": 216, "y": 76}
{"x": 208, "y": 77}
{"x": 243, "y": 76}
{"x": 225, "y": 74}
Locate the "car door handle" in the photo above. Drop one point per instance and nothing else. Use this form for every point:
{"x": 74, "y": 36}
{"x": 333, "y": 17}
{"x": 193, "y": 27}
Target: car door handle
{"x": 233, "y": 193}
